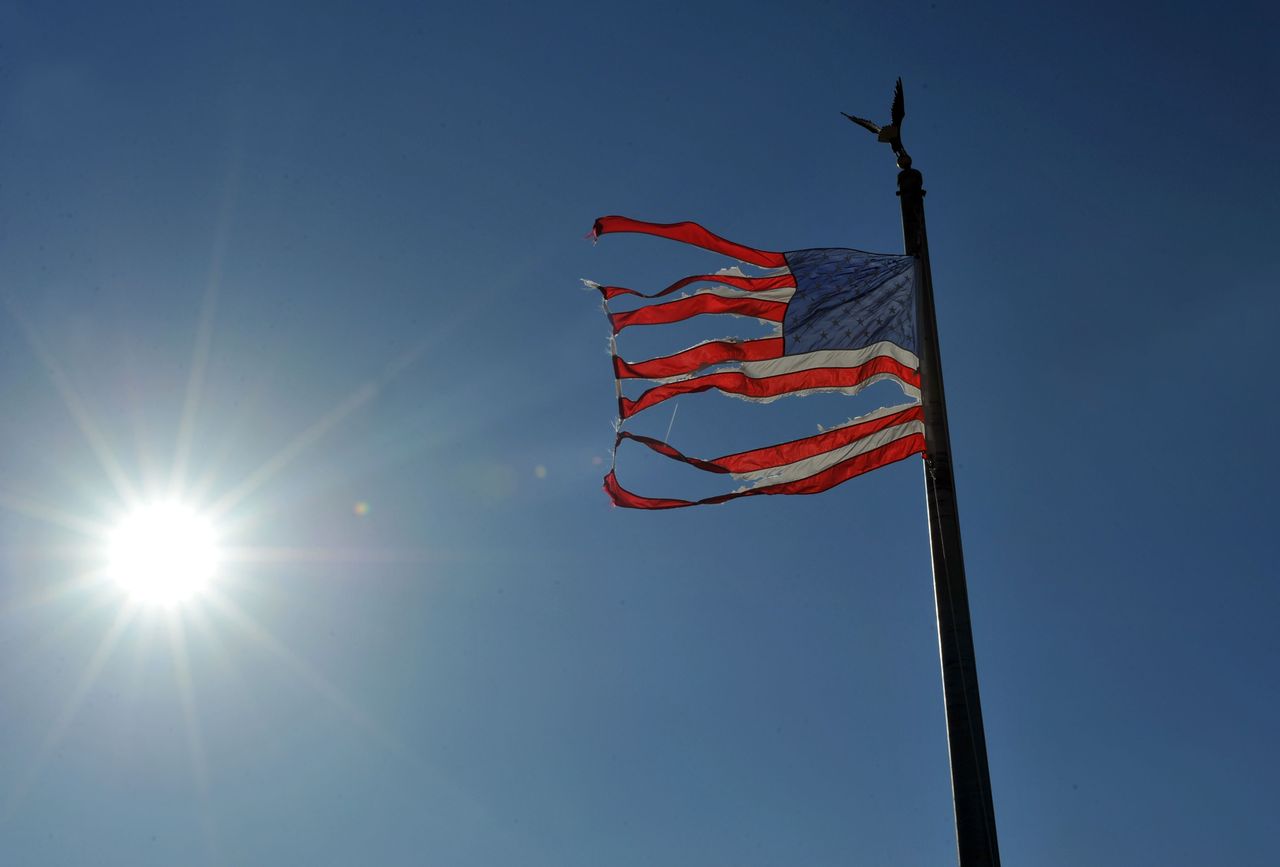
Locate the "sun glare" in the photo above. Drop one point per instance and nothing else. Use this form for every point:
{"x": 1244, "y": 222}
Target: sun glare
{"x": 163, "y": 554}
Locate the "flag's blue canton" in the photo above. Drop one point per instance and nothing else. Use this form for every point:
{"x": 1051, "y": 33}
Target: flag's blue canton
{"x": 847, "y": 299}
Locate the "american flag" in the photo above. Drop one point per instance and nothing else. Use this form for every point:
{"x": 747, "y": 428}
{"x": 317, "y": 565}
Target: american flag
{"x": 845, "y": 319}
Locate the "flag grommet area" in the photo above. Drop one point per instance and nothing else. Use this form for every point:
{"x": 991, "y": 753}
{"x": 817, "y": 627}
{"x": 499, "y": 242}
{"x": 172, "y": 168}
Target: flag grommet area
{"x": 845, "y": 319}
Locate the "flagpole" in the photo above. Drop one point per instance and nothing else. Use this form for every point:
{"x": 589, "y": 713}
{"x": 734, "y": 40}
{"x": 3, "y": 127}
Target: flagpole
{"x": 966, "y": 740}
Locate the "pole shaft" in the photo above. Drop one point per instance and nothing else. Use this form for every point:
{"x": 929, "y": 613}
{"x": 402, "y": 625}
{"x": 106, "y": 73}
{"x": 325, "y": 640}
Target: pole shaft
{"x": 966, "y": 740}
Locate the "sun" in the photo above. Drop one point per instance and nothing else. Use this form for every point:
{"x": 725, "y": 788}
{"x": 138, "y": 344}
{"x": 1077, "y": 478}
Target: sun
{"x": 163, "y": 554}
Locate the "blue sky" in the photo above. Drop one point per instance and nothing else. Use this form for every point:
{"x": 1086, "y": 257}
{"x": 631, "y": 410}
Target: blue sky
{"x": 303, "y": 259}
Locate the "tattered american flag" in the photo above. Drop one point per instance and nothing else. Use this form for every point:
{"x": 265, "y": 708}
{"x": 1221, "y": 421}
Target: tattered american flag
{"x": 846, "y": 319}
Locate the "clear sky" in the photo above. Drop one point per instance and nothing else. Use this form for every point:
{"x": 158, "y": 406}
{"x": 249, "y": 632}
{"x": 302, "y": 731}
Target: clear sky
{"x": 315, "y": 268}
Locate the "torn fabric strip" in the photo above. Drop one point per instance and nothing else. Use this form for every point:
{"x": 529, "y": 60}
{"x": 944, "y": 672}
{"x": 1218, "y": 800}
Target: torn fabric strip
{"x": 847, "y": 319}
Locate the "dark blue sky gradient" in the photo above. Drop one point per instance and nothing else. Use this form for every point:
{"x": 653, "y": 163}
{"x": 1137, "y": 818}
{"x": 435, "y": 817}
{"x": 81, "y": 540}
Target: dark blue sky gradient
{"x": 345, "y": 244}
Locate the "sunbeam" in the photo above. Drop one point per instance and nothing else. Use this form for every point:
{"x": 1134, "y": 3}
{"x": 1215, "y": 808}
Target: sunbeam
{"x": 186, "y": 696}
{"x": 295, "y": 447}
{"x": 300, "y": 669}
{"x": 195, "y": 381}
{"x": 195, "y": 735}
{"x": 204, "y": 329}
{"x": 313, "y": 432}
{"x": 68, "y": 714}
{"x": 54, "y": 592}
{"x": 262, "y": 554}
{"x": 71, "y": 399}
{"x": 62, "y": 591}
{"x": 50, "y": 515}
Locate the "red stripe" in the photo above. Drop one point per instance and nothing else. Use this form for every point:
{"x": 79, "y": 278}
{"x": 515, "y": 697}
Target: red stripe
{"x": 686, "y": 308}
{"x": 711, "y": 466}
{"x": 783, "y": 453}
{"x": 690, "y": 233}
{"x": 815, "y": 484}
{"x": 732, "y": 382}
{"x": 807, "y": 447}
{"x": 749, "y": 284}
{"x": 698, "y": 357}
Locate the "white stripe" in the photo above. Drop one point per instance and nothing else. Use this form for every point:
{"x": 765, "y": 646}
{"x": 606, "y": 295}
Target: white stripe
{"x": 802, "y": 469}
{"x": 828, "y": 358}
{"x": 736, "y": 271}
{"x": 782, "y": 293}
{"x": 908, "y": 390}
{"x": 871, "y": 416}
{"x": 801, "y": 361}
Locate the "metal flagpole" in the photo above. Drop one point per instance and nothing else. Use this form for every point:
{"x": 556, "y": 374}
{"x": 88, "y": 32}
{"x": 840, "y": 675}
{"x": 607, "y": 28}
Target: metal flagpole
{"x": 966, "y": 740}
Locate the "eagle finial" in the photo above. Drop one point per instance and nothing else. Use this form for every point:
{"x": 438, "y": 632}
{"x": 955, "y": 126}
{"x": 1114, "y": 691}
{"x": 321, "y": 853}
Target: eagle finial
{"x": 892, "y": 131}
